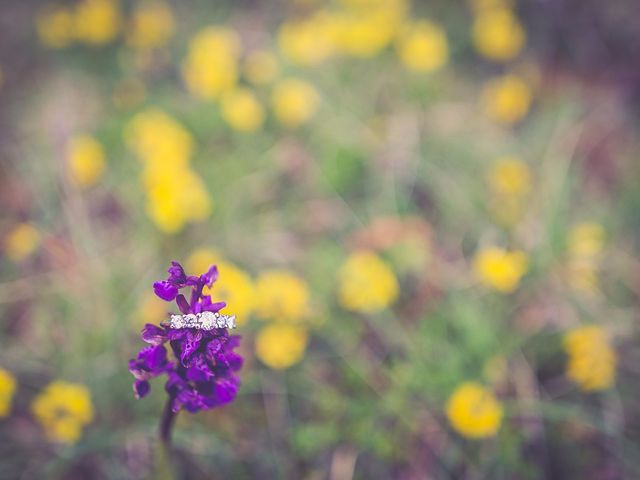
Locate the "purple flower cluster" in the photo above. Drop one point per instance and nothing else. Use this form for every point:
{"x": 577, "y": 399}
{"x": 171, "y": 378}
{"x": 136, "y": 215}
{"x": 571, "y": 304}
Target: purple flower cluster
{"x": 203, "y": 374}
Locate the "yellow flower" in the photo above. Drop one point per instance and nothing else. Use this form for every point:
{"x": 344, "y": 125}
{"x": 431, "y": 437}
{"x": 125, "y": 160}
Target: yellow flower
{"x": 474, "y": 411}
{"x": 500, "y": 269}
{"x": 307, "y": 42}
{"x": 506, "y": 99}
{"x": 260, "y": 67}
{"x": 365, "y": 29}
{"x": 97, "y": 22}
{"x": 158, "y": 138}
{"x": 63, "y": 409}
{"x": 241, "y": 110}
{"x": 176, "y": 195}
{"x": 234, "y": 286}
{"x": 281, "y": 296}
{"x": 21, "y": 242}
{"x": 422, "y": 47}
{"x": 7, "y": 389}
{"x": 592, "y": 361}
{"x": 210, "y": 67}
{"x": 201, "y": 259}
{"x": 279, "y": 346}
{"x": 366, "y": 283}
{"x": 294, "y": 102}
{"x": 586, "y": 240}
{"x": 150, "y": 310}
{"x": 85, "y": 161}
{"x": 510, "y": 176}
{"x": 54, "y": 25}
{"x": 497, "y": 34}
{"x": 151, "y": 25}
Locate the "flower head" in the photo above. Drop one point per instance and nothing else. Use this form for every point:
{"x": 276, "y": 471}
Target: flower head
{"x": 474, "y": 411}
{"x": 423, "y": 47}
{"x": 294, "y": 102}
{"x": 7, "y": 389}
{"x": 85, "y": 160}
{"x": 592, "y": 361}
{"x": 366, "y": 283}
{"x": 506, "y": 99}
{"x": 201, "y": 374}
{"x": 210, "y": 67}
{"x": 500, "y": 269}
{"x": 279, "y": 345}
{"x": 151, "y": 25}
{"x": 97, "y": 22}
{"x": 63, "y": 409}
{"x": 21, "y": 242}
{"x": 281, "y": 296}
{"x": 510, "y": 176}
{"x": 241, "y": 110}
{"x": 497, "y": 34}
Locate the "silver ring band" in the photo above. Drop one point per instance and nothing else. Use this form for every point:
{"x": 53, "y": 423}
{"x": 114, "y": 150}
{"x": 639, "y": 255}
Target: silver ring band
{"x": 203, "y": 321}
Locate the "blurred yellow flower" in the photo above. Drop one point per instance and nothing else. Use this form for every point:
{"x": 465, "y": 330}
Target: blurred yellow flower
{"x": 592, "y": 361}
{"x": 201, "y": 259}
{"x": 210, "y": 67}
{"x": 422, "y": 46}
{"x": 506, "y": 99}
{"x": 21, "y": 242}
{"x": 279, "y": 346}
{"x": 500, "y": 269}
{"x": 7, "y": 389}
{"x": 307, "y": 42}
{"x": 260, "y": 67}
{"x": 586, "y": 240}
{"x": 364, "y": 29}
{"x": 54, "y": 25}
{"x": 241, "y": 110}
{"x": 281, "y": 296}
{"x": 366, "y": 283}
{"x": 158, "y": 138}
{"x": 63, "y": 409}
{"x": 510, "y": 176}
{"x": 176, "y": 195}
{"x": 497, "y": 34}
{"x": 97, "y": 22}
{"x": 151, "y": 25}
{"x": 150, "y": 310}
{"x": 474, "y": 411}
{"x": 85, "y": 161}
{"x": 235, "y": 287}
{"x": 294, "y": 102}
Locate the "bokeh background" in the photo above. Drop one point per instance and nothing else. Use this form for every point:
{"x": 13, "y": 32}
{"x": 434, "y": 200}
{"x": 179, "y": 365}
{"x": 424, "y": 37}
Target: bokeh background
{"x": 425, "y": 216}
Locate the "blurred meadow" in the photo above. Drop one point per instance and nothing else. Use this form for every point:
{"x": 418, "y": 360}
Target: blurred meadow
{"x": 424, "y": 215}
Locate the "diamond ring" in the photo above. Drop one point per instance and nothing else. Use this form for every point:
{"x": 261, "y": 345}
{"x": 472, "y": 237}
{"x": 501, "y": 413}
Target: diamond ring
{"x": 203, "y": 321}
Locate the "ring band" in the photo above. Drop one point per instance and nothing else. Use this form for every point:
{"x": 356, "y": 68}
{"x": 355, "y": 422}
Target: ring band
{"x": 203, "y": 321}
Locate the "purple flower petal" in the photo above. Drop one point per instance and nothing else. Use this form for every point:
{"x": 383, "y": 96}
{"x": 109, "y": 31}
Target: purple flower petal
{"x": 153, "y": 334}
{"x": 141, "y": 388}
{"x": 165, "y": 290}
{"x": 183, "y": 305}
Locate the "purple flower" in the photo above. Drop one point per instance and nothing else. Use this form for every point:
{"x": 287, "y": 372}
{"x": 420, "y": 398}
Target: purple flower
{"x": 203, "y": 374}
